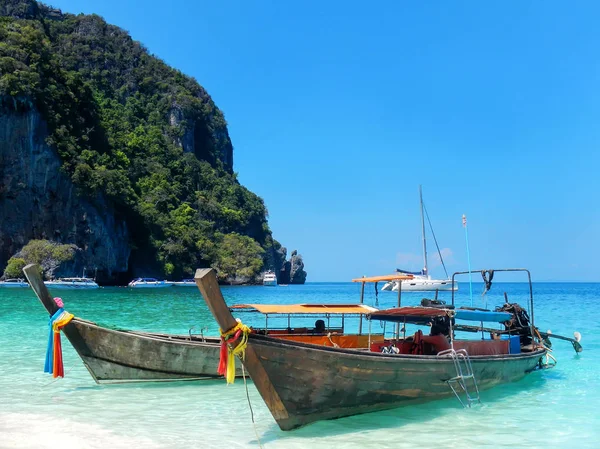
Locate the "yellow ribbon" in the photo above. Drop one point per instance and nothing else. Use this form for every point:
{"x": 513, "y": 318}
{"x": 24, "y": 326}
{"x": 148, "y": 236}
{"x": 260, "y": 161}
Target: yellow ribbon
{"x": 239, "y": 350}
{"x": 62, "y": 321}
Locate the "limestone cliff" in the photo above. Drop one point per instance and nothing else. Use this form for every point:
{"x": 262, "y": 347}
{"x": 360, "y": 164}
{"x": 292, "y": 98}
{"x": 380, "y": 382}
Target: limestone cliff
{"x": 37, "y": 200}
{"x": 104, "y": 146}
{"x": 292, "y": 271}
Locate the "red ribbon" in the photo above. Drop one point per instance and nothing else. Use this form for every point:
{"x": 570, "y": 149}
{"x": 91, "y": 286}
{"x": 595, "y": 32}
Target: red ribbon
{"x": 222, "y": 370}
{"x": 224, "y": 353}
{"x": 57, "y": 367}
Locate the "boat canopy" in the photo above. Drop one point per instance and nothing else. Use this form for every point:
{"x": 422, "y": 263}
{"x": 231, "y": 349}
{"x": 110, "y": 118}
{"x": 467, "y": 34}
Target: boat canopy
{"x": 413, "y": 315}
{"x": 321, "y": 309}
{"x": 482, "y": 315}
{"x": 424, "y": 315}
{"x": 385, "y": 278}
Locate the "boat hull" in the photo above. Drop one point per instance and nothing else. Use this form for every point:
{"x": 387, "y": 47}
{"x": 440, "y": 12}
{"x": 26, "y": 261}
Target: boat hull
{"x": 15, "y": 285}
{"x": 127, "y": 356}
{"x": 71, "y": 286}
{"x": 269, "y": 283}
{"x": 421, "y": 286}
{"x": 151, "y": 285}
{"x": 307, "y": 383}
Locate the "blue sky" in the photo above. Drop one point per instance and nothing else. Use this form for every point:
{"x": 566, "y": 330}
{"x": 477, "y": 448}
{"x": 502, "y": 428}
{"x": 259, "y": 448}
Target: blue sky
{"x": 338, "y": 110}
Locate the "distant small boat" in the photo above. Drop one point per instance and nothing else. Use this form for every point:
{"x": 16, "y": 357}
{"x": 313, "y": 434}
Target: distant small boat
{"x": 184, "y": 283}
{"x": 14, "y": 283}
{"x": 149, "y": 283}
{"x": 269, "y": 279}
{"x": 71, "y": 283}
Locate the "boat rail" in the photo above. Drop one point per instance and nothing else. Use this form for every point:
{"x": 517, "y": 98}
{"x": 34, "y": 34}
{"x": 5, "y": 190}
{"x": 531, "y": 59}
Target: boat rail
{"x": 488, "y": 276}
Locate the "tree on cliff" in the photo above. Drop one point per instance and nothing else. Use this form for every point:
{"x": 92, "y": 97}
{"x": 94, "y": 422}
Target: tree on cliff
{"x": 238, "y": 257}
{"x": 139, "y": 135}
{"x": 48, "y": 255}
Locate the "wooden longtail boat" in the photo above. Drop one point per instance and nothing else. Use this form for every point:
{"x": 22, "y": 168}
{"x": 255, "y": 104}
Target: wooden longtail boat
{"x": 302, "y": 383}
{"x": 129, "y": 356}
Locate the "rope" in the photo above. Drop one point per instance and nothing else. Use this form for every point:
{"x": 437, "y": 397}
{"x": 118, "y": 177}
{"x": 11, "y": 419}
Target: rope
{"x": 58, "y": 378}
{"x": 250, "y": 406}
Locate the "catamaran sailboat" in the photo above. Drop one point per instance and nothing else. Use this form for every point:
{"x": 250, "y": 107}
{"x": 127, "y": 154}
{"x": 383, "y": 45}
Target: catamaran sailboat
{"x": 421, "y": 281}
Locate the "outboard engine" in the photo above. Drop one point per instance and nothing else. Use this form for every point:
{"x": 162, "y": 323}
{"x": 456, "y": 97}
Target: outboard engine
{"x": 519, "y": 324}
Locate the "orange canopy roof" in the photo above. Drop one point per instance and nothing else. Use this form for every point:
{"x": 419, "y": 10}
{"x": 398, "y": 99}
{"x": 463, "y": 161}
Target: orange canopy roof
{"x": 307, "y": 308}
{"x": 387, "y": 277}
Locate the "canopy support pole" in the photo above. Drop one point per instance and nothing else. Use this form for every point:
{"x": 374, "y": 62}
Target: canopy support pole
{"x": 362, "y": 299}
{"x": 399, "y": 303}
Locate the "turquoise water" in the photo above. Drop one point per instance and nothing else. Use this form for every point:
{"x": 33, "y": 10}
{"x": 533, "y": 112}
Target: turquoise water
{"x": 549, "y": 409}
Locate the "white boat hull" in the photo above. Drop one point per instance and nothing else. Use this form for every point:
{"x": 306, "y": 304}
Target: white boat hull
{"x": 149, "y": 285}
{"x": 416, "y": 285}
{"x": 74, "y": 286}
{"x": 14, "y": 285}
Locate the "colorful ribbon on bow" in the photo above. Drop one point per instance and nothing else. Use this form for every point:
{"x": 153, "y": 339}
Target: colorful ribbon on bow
{"x": 228, "y": 351}
{"x": 54, "y": 360}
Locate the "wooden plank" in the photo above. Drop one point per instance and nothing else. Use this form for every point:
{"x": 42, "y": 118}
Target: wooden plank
{"x": 33, "y": 275}
{"x": 315, "y": 383}
{"x": 206, "y": 280}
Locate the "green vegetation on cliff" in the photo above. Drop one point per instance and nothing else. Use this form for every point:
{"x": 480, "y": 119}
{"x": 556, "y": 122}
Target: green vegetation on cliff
{"x": 48, "y": 255}
{"x": 136, "y": 132}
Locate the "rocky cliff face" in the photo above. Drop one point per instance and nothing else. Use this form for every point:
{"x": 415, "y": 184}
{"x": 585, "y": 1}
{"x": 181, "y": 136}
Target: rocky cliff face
{"x": 292, "y": 271}
{"x": 38, "y": 201}
{"x": 104, "y": 146}
{"x": 297, "y": 273}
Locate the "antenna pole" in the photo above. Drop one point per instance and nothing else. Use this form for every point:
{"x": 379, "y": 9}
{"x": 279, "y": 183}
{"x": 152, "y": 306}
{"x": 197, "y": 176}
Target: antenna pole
{"x": 464, "y": 222}
{"x": 425, "y": 270}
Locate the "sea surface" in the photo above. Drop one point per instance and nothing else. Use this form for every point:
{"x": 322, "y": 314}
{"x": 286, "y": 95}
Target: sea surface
{"x": 556, "y": 408}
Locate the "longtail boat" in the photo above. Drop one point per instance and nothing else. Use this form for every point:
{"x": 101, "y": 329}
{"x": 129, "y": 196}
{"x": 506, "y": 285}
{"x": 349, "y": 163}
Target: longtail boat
{"x": 302, "y": 382}
{"x": 113, "y": 356}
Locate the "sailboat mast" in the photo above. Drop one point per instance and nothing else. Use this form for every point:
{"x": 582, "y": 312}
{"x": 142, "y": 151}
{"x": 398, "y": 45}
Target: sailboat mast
{"x": 423, "y": 233}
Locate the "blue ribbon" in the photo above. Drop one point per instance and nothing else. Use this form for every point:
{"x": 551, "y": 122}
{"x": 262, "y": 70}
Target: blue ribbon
{"x": 48, "y": 365}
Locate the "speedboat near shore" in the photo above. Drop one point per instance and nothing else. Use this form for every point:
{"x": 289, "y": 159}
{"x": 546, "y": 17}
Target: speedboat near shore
{"x": 270, "y": 279}
{"x": 72, "y": 283}
{"x": 149, "y": 283}
{"x": 184, "y": 283}
{"x": 14, "y": 283}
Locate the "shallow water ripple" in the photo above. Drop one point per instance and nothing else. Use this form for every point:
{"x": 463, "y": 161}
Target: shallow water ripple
{"x": 550, "y": 409}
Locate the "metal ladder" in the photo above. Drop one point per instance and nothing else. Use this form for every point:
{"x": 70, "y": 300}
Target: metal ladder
{"x": 464, "y": 374}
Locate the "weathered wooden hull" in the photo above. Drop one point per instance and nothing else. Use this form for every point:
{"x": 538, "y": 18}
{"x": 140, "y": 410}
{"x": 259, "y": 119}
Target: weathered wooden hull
{"x": 128, "y": 356}
{"x": 306, "y": 383}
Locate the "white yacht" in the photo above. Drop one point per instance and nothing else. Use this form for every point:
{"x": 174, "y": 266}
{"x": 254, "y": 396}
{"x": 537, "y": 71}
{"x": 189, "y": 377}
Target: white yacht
{"x": 185, "y": 283}
{"x": 421, "y": 281}
{"x": 149, "y": 283}
{"x": 270, "y": 279}
{"x": 14, "y": 283}
{"x": 71, "y": 283}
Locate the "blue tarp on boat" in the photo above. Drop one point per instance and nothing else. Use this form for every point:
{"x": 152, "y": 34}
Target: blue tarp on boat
{"x": 481, "y": 315}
